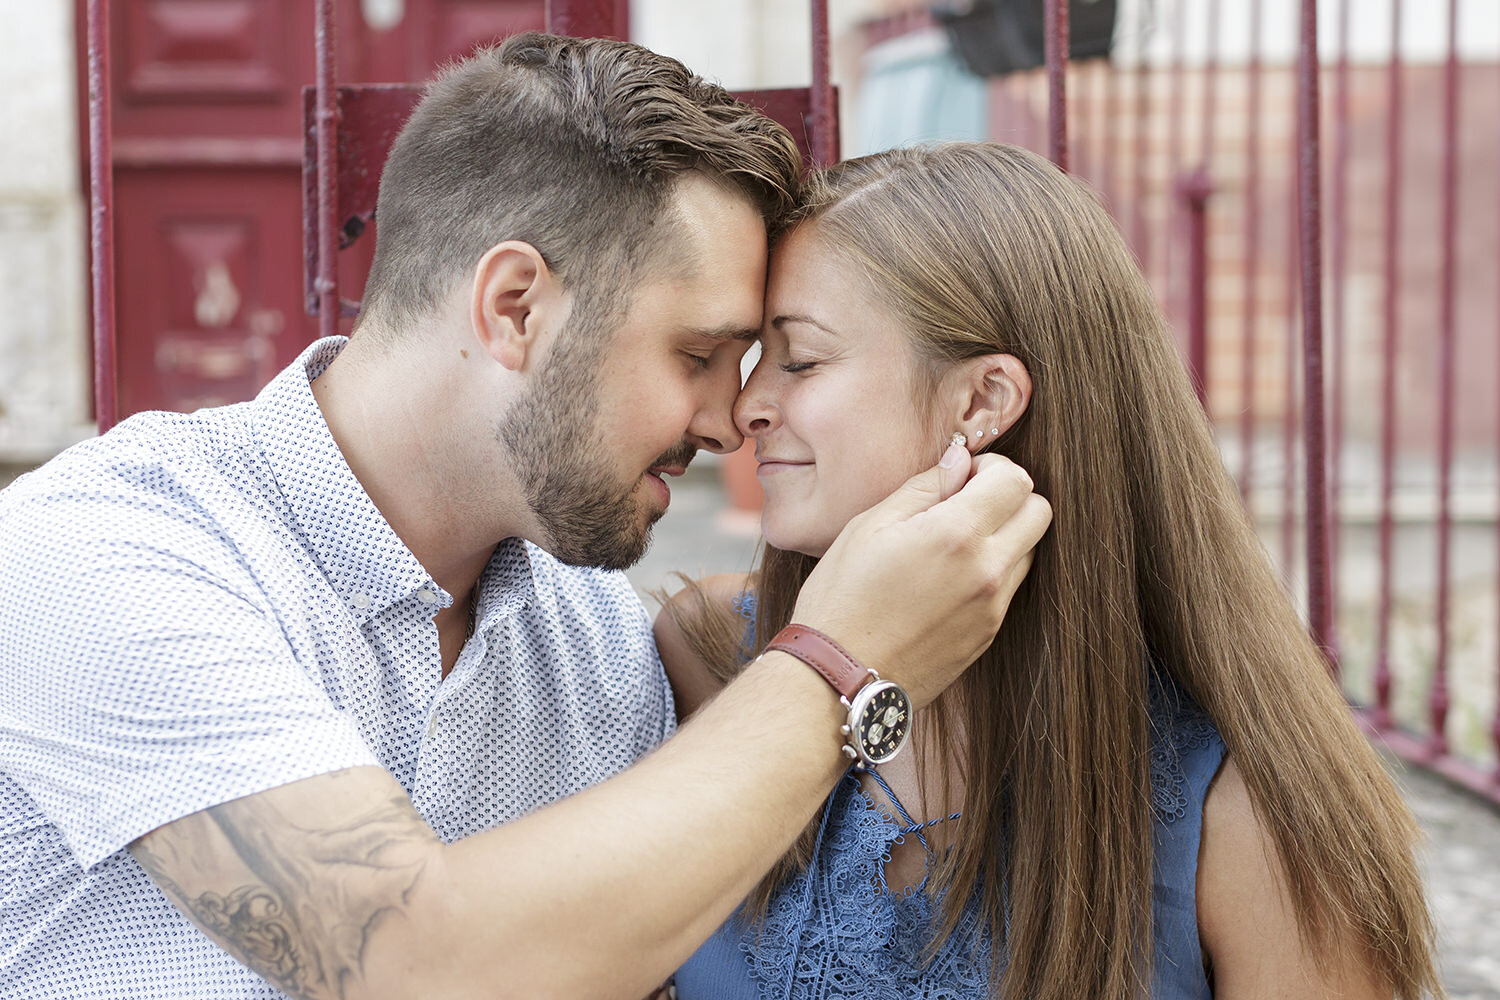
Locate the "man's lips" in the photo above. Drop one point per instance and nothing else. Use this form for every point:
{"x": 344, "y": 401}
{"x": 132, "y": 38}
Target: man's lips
{"x": 673, "y": 463}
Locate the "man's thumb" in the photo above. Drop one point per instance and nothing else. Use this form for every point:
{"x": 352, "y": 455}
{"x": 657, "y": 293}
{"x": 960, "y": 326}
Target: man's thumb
{"x": 930, "y": 487}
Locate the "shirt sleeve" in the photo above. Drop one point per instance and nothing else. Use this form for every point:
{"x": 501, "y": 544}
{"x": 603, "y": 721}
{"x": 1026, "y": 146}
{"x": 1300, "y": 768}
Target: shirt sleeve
{"x": 142, "y": 675}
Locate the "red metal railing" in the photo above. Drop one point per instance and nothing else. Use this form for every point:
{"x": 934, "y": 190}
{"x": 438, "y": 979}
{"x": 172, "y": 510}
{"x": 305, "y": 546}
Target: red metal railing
{"x": 101, "y": 214}
{"x": 1408, "y": 697}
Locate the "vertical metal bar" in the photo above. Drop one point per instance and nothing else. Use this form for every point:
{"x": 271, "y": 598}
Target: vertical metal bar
{"x": 1055, "y": 28}
{"x": 1172, "y": 286}
{"x": 823, "y": 142}
{"x": 1110, "y": 103}
{"x": 1252, "y": 256}
{"x": 102, "y": 214}
{"x": 1310, "y": 225}
{"x": 1100, "y": 143}
{"x": 1140, "y": 232}
{"x": 1340, "y": 262}
{"x": 1495, "y": 720}
{"x": 1438, "y": 697}
{"x": 1195, "y": 189}
{"x": 1292, "y": 275}
{"x": 327, "y": 118}
{"x": 1389, "y": 345}
{"x": 582, "y": 18}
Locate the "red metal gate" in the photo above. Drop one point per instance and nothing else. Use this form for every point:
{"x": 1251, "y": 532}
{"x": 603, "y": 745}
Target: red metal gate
{"x": 1348, "y": 446}
{"x": 206, "y": 102}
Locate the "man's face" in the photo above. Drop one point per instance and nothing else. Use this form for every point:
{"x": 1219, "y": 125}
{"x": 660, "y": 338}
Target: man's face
{"x": 609, "y": 416}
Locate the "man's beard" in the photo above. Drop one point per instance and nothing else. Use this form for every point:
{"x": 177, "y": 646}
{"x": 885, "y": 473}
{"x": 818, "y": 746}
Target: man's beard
{"x": 562, "y": 461}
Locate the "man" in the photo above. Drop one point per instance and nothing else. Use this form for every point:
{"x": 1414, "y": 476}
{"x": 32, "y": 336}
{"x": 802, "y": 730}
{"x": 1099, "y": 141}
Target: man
{"x": 308, "y": 668}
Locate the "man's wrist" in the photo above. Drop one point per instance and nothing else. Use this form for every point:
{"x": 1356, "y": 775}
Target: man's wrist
{"x": 802, "y": 691}
{"x": 824, "y": 655}
{"x": 880, "y": 714}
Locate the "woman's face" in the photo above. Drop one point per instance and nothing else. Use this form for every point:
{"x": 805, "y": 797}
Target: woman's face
{"x": 831, "y": 404}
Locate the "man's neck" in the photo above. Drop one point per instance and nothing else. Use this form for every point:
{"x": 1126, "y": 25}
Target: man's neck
{"x": 395, "y": 413}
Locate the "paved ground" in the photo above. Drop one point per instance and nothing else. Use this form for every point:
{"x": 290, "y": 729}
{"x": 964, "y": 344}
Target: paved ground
{"x": 1462, "y": 855}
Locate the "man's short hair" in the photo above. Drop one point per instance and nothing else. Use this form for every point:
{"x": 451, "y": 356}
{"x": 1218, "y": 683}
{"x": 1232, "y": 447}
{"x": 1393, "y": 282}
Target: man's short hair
{"x": 570, "y": 144}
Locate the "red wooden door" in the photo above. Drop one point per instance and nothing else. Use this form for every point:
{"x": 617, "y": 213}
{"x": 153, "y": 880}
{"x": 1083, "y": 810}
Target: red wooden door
{"x": 208, "y": 160}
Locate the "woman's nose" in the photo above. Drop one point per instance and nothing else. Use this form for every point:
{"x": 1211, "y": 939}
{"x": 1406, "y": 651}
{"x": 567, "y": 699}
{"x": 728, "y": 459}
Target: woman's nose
{"x": 753, "y": 412}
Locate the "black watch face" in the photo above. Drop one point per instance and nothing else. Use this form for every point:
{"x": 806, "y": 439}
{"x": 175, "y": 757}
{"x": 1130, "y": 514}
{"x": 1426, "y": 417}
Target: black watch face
{"x": 883, "y": 722}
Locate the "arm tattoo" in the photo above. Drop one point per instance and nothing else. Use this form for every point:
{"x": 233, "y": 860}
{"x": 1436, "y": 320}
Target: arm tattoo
{"x": 305, "y": 921}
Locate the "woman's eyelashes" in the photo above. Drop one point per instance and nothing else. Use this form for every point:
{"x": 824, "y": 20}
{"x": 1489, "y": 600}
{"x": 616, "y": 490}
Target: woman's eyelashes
{"x": 792, "y": 367}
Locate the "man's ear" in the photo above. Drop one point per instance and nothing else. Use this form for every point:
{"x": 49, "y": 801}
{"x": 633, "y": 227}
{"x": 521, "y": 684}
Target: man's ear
{"x": 993, "y": 393}
{"x": 514, "y": 297}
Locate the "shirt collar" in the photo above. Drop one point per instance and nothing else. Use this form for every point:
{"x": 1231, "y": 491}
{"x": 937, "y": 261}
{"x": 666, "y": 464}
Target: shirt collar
{"x": 361, "y": 555}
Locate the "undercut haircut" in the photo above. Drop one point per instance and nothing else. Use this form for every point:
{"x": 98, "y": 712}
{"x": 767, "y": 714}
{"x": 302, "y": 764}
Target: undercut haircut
{"x": 572, "y": 145}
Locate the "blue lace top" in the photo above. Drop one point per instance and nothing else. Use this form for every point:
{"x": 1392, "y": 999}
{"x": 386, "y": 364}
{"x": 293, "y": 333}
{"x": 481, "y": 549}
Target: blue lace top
{"x": 837, "y": 931}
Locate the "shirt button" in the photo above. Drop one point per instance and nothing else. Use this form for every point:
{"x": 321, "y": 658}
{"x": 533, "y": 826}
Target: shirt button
{"x": 360, "y": 601}
{"x": 432, "y": 726}
{"x": 426, "y": 596}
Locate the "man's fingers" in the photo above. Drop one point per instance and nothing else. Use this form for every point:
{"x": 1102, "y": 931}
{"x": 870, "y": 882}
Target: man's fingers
{"x": 995, "y": 491}
{"x": 1026, "y": 526}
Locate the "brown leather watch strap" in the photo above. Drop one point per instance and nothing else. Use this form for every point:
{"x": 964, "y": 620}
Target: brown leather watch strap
{"x": 824, "y": 655}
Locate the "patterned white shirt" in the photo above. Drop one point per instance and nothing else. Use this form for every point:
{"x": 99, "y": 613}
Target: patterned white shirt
{"x": 198, "y": 607}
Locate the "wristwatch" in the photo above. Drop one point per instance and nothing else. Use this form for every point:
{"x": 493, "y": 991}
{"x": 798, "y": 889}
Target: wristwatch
{"x": 880, "y": 712}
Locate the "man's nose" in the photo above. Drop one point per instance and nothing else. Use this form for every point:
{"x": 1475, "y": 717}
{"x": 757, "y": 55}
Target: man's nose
{"x": 713, "y": 428}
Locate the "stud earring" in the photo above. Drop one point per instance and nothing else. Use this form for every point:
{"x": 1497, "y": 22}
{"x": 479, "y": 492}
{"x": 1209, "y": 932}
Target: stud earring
{"x": 978, "y": 434}
{"x": 995, "y": 431}
{"x": 959, "y": 438}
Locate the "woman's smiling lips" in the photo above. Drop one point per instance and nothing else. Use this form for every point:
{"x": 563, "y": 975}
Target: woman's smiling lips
{"x": 771, "y": 466}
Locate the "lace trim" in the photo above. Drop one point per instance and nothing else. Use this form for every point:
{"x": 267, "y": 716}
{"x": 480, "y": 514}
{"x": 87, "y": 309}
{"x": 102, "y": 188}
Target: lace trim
{"x": 836, "y": 930}
{"x": 855, "y": 936}
{"x": 1179, "y": 728}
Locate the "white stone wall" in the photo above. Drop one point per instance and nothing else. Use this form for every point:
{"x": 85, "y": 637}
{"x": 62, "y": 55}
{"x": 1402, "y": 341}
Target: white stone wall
{"x": 44, "y": 378}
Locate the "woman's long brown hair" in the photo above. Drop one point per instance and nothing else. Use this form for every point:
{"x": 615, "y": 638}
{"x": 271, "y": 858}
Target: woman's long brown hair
{"x": 1150, "y": 559}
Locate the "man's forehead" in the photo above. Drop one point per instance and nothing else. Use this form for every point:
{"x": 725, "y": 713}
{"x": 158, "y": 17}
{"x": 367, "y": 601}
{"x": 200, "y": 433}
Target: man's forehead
{"x": 703, "y": 215}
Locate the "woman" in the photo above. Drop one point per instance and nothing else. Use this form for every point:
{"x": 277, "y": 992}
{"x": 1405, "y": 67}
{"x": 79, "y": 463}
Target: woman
{"x": 1148, "y": 785}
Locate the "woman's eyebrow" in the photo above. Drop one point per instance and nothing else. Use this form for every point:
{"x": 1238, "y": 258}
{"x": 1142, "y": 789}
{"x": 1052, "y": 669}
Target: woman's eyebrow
{"x": 778, "y": 321}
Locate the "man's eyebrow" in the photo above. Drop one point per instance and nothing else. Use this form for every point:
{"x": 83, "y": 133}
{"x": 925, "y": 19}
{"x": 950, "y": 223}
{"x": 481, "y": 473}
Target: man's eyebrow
{"x": 726, "y": 331}
{"x": 778, "y": 321}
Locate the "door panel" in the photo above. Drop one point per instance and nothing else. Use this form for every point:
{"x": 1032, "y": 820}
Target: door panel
{"x": 200, "y": 283}
{"x": 208, "y": 159}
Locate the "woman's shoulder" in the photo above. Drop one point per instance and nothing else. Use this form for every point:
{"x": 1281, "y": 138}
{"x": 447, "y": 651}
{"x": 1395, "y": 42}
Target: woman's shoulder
{"x": 722, "y": 596}
{"x": 1246, "y": 916}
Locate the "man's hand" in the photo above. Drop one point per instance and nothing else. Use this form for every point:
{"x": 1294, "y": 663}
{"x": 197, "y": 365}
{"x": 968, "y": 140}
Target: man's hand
{"x": 917, "y": 586}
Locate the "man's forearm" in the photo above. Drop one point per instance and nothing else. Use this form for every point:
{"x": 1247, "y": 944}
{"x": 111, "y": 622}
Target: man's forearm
{"x": 604, "y": 894}
{"x": 333, "y": 887}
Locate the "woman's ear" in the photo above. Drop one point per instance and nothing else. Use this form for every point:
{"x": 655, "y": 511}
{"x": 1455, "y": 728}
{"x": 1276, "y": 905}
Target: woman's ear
{"x": 993, "y": 393}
